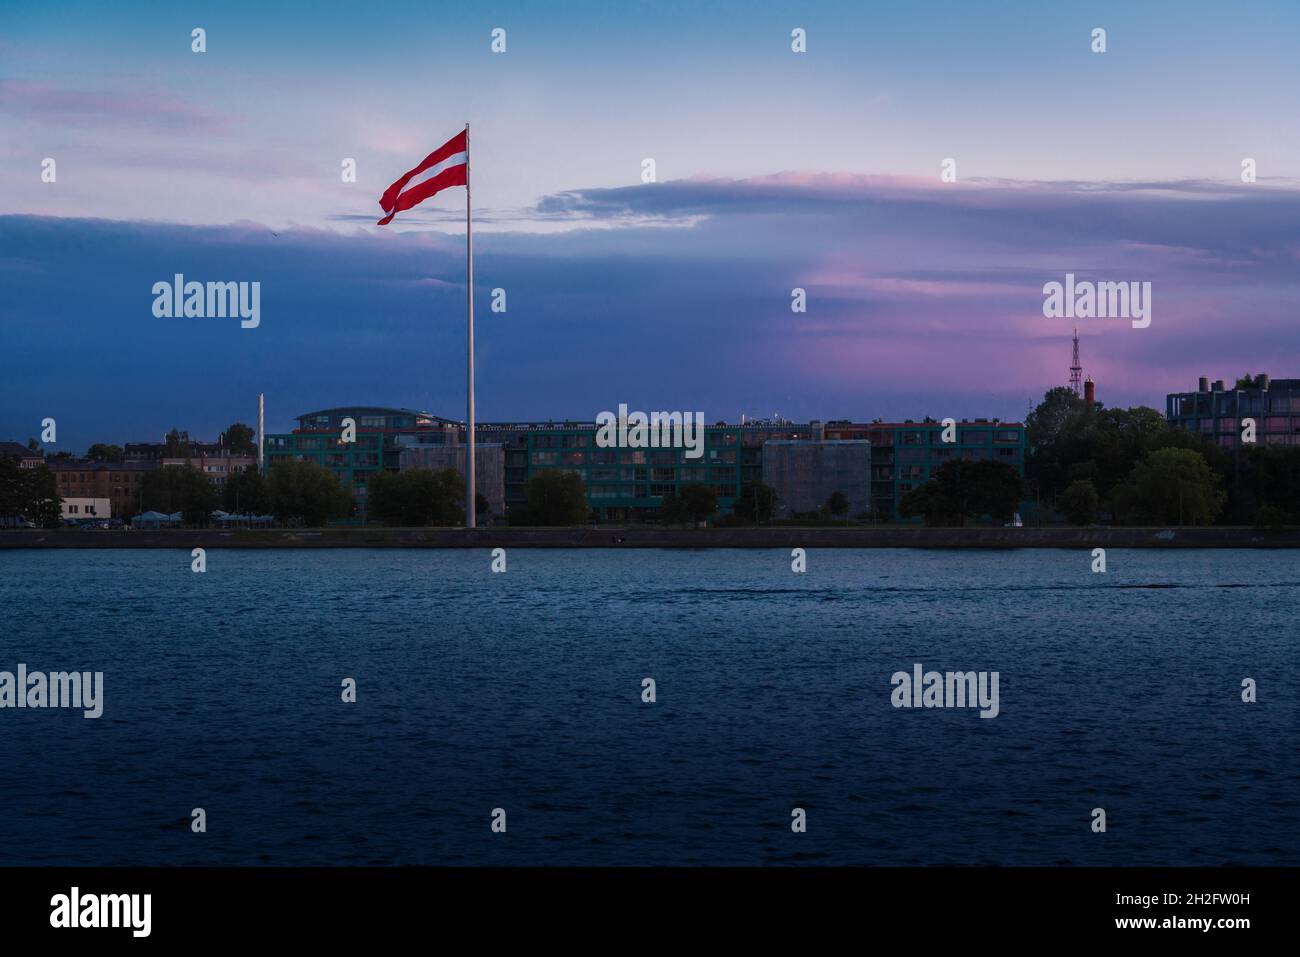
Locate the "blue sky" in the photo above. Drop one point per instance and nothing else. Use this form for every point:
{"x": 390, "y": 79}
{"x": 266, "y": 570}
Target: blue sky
{"x": 775, "y": 170}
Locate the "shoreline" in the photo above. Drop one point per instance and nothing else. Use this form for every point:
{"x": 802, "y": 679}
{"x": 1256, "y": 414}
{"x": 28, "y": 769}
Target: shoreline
{"x": 655, "y": 537}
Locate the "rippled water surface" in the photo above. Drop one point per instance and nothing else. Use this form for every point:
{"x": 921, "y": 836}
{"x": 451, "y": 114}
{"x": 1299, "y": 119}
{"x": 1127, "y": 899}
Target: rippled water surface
{"x": 523, "y": 691}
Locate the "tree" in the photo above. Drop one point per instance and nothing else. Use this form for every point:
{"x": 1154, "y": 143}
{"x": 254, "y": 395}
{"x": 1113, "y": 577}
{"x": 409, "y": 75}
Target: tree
{"x": 1171, "y": 487}
{"x": 838, "y": 504}
{"x": 180, "y": 488}
{"x": 417, "y": 497}
{"x": 307, "y": 493}
{"x": 30, "y": 493}
{"x": 672, "y": 510}
{"x": 13, "y": 488}
{"x": 931, "y": 504}
{"x": 240, "y": 439}
{"x": 1070, "y": 441}
{"x": 1270, "y": 479}
{"x": 557, "y": 497}
{"x": 246, "y": 493}
{"x": 1059, "y": 408}
{"x": 1079, "y": 502}
{"x": 482, "y": 507}
{"x": 176, "y": 446}
{"x": 964, "y": 489}
{"x": 699, "y": 501}
{"x": 757, "y": 502}
{"x": 105, "y": 453}
{"x": 42, "y": 497}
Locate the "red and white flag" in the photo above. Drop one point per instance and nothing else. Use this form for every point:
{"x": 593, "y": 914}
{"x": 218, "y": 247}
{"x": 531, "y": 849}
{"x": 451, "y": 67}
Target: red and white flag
{"x": 448, "y": 165}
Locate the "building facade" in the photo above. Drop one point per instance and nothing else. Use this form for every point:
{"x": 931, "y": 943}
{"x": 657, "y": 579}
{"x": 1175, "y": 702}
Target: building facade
{"x": 81, "y": 508}
{"x": 121, "y": 483}
{"x": 626, "y": 484}
{"x": 489, "y": 470}
{"x": 805, "y": 475}
{"x": 217, "y": 467}
{"x": 1216, "y": 412}
{"x": 629, "y": 484}
{"x": 905, "y": 455}
{"x": 380, "y": 437}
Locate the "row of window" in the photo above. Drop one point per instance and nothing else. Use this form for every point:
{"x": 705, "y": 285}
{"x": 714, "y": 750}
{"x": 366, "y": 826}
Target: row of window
{"x": 1272, "y": 423}
{"x": 660, "y": 457}
{"x": 654, "y": 490}
{"x": 964, "y": 437}
{"x": 1228, "y": 403}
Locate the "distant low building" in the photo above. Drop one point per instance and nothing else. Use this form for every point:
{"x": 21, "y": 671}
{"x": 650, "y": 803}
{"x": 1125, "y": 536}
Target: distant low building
{"x": 1217, "y": 412}
{"x": 27, "y": 458}
{"x": 217, "y": 467}
{"x": 81, "y": 508}
{"x": 805, "y": 475}
{"x": 122, "y": 483}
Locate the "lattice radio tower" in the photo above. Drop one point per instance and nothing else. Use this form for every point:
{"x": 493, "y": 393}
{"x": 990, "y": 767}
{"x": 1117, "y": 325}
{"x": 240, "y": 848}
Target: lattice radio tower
{"x": 1076, "y": 369}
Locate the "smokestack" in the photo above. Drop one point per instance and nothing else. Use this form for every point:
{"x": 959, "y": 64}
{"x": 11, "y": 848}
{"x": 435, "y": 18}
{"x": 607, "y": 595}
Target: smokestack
{"x": 1264, "y": 381}
{"x": 1220, "y": 385}
{"x": 1089, "y": 391}
{"x": 261, "y": 431}
{"x": 1203, "y": 385}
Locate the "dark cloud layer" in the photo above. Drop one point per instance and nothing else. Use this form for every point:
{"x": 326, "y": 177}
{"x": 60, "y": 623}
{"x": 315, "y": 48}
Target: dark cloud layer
{"x": 922, "y": 299}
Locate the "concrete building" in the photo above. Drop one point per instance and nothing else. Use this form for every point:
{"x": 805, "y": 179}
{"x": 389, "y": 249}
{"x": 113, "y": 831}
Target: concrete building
{"x": 85, "y": 508}
{"x": 1216, "y": 411}
{"x": 804, "y": 475}
{"x": 489, "y": 469}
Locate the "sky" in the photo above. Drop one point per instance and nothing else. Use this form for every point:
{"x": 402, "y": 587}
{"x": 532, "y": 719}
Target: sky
{"x": 775, "y": 170}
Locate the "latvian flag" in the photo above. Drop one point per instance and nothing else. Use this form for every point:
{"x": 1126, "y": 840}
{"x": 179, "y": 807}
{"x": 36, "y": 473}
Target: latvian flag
{"x": 448, "y": 165}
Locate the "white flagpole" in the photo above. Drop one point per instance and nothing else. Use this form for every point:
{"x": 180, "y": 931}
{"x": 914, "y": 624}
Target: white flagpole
{"x": 470, "y": 516}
